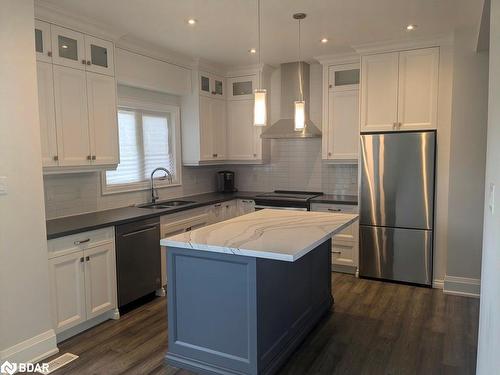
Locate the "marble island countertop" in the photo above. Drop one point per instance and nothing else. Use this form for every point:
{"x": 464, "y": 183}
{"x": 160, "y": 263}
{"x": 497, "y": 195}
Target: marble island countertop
{"x": 272, "y": 234}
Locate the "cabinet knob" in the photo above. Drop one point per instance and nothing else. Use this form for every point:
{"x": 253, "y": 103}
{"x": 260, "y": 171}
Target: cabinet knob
{"x": 329, "y": 154}
{"x": 89, "y": 62}
{"x": 214, "y": 155}
{"x": 394, "y": 125}
{"x": 330, "y": 86}
{"x": 81, "y": 260}
{"x": 89, "y": 157}
{"x": 254, "y": 155}
{"x": 87, "y": 258}
{"x": 93, "y": 157}
{"x": 84, "y": 62}
{"x": 213, "y": 92}
{"x": 49, "y": 53}
{"x": 56, "y": 158}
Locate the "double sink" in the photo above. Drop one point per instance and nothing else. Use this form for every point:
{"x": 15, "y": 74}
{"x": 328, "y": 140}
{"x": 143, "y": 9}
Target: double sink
{"x": 166, "y": 204}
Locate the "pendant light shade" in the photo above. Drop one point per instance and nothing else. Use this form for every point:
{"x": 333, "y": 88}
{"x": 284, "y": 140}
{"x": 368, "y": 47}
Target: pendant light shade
{"x": 260, "y": 108}
{"x": 300, "y": 105}
{"x": 260, "y": 102}
{"x": 300, "y": 115}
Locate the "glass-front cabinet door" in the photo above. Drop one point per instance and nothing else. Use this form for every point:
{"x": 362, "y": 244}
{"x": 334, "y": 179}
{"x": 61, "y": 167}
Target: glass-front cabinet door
{"x": 242, "y": 88}
{"x": 43, "y": 47}
{"x": 68, "y": 47}
{"x": 205, "y": 84}
{"x": 211, "y": 85}
{"x": 99, "y": 55}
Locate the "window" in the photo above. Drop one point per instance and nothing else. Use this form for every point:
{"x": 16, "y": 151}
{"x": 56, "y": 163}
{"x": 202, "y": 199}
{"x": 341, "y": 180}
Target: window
{"x": 148, "y": 138}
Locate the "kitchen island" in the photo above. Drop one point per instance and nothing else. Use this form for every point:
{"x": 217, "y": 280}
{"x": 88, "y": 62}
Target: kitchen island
{"x": 243, "y": 293}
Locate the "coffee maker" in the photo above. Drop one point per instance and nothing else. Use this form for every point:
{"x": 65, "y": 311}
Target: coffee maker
{"x": 225, "y": 182}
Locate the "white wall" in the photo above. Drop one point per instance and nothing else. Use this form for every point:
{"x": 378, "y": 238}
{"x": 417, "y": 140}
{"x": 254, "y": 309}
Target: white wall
{"x": 488, "y": 355}
{"x": 24, "y": 290}
{"x": 467, "y": 164}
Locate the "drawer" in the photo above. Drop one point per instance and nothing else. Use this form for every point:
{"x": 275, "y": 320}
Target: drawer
{"x": 334, "y": 208}
{"x": 80, "y": 241}
{"x": 349, "y": 234}
{"x": 343, "y": 253}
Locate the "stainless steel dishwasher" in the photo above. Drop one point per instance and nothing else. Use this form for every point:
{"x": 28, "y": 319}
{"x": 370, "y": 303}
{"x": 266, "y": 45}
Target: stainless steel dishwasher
{"x": 138, "y": 259}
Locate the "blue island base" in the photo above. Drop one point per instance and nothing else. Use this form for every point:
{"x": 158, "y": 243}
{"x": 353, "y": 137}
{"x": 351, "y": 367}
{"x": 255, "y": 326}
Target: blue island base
{"x": 231, "y": 314}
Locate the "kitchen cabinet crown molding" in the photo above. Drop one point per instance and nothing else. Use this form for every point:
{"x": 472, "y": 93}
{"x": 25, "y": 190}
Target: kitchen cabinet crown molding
{"x": 52, "y": 13}
{"x": 403, "y": 45}
{"x": 339, "y": 58}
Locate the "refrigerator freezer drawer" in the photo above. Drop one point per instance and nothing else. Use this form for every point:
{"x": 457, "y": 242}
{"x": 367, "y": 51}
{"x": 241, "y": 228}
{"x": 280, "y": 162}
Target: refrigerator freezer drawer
{"x": 396, "y": 254}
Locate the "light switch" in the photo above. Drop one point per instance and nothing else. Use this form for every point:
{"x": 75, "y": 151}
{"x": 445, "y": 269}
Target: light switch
{"x": 3, "y": 185}
{"x": 492, "y": 198}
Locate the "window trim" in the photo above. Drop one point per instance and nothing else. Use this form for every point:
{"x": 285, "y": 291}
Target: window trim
{"x": 174, "y": 111}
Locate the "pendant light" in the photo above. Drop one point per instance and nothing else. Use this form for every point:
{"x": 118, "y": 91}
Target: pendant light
{"x": 300, "y": 105}
{"x": 260, "y": 105}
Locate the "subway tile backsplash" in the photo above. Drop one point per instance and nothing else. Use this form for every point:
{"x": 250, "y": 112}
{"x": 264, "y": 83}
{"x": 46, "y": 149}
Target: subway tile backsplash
{"x": 294, "y": 165}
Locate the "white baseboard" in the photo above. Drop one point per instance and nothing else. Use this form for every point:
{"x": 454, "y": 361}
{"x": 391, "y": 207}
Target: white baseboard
{"x": 70, "y": 332}
{"x": 32, "y": 350}
{"x": 462, "y": 286}
{"x": 438, "y": 283}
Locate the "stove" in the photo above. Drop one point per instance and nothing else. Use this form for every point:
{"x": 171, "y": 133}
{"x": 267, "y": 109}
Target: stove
{"x": 285, "y": 200}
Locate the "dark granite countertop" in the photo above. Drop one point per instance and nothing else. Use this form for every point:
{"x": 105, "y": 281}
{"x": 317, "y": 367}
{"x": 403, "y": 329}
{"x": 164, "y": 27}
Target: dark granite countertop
{"x": 336, "y": 199}
{"x": 66, "y": 226}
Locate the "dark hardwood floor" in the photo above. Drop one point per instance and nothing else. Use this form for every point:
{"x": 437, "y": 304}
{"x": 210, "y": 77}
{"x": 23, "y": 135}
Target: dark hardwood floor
{"x": 374, "y": 328}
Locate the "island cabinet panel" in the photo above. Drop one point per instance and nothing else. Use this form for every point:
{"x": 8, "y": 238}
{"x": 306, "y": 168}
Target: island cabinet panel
{"x": 232, "y": 314}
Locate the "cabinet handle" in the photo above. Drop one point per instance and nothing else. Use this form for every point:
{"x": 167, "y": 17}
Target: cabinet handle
{"x": 84, "y": 62}
{"x": 213, "y": 92}
{"x": 93, "y": 157}
{"x": 394, "y": 125}
{"x": 330, "y": 86}
{"x": 329, "y": 154}
{"x": 336, "y": 252}
{"x": 82, "y": 241}
{"x": 49, "y": 53}
{"x": 399, "y": 125}
{"x": 89, "y": 62}
{"x": 87, "y": 258}
{"x": 335, "y": 209}
{"x": 188, "y": 229}
{"x": 217, "y": 205}
{"x": 214, "y": 155}
{"x": 254, "y": 155}
{"x": 89, "y": 157}
{"x": 81, "y": 260}
{"x": 56, "y": 158}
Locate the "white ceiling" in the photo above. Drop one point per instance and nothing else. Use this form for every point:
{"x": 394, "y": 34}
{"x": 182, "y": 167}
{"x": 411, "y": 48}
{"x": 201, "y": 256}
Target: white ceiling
{"x": 227, "y": 29}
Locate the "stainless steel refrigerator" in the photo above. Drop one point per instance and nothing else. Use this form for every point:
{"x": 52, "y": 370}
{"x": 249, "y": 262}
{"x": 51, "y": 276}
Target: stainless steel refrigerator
{"x": 397, "y": 206}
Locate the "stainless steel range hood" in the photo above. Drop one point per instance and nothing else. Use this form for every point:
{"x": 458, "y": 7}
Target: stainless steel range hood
{"x": 290, "y": 92}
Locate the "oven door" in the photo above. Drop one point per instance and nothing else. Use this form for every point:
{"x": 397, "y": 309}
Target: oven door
{"x": 261, "y": 207}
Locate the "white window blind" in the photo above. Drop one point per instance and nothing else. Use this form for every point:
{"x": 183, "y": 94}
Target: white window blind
{"x": 146, "y": 143}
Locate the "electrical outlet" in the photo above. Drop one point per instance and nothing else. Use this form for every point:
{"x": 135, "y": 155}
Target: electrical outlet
{"x": 491, "y": 203}
{"x": 3, "y": 185}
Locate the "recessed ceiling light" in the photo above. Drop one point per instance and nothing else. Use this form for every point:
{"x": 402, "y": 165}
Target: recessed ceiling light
{"x": 252, "y": 51}
{"x": 324, "y": 40}
{"x": 411, "y": 27}
{"x": 191, "y": 21}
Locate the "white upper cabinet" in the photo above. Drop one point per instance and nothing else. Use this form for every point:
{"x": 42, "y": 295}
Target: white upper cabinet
{"x": 379, "y": 92}
{"x": 212, "y": 129}
{"x": 341, "y": 135}
{"x": 99, "y": 55}
{"x": 47, "y": 114}
{"x": 241, "y": 88}
{"x": 418, "y": 89}
{"x": 68, "y": 48}
{"x": 43, "y": 44}
{"x": 241, "y": 131}
{"x": 103, "y": 126}
{"x": 70, "y": 92}
{"x": 212, "y": 85}
{"x": 80, "y": 51}
{"x": 77, "y": 100}
{"x": 399, "y": 90}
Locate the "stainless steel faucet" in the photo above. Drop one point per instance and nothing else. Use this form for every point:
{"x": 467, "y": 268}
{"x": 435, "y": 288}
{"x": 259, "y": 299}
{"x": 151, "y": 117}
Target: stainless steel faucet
{"x": 154, "y": 196}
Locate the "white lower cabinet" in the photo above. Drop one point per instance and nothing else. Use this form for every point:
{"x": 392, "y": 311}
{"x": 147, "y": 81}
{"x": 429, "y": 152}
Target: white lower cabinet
{"x": 82, "y": 273}
{"x": 223, "y": 211}
{"x": 245, "y": 206}
{"x": 345, "y": 245}
{"x": 67, "y": 289}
